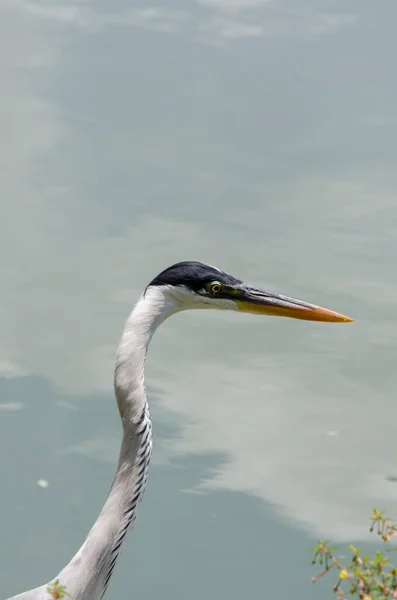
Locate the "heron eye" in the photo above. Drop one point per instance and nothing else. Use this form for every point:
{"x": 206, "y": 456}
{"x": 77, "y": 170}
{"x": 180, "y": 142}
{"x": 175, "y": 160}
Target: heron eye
{"x": 215, "y": 288}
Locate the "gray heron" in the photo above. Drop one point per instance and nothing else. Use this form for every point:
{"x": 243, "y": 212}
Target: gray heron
{"x": 183, "y": 286}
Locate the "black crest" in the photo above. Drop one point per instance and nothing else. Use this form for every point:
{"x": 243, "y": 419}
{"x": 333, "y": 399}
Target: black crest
{"x": 194, "y": 275}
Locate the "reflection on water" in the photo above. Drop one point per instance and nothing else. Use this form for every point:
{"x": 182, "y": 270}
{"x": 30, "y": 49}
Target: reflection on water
{"x": 244, "y": 134}
{"x": 213, "y": 536}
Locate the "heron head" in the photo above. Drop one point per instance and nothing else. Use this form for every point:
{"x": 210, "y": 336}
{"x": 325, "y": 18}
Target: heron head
{"x": 196, "y": 285}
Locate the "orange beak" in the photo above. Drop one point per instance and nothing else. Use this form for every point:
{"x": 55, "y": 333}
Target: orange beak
{"x": 260, "y": 302}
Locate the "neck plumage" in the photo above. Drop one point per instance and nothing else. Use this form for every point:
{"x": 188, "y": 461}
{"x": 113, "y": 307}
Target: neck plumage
{"x": 87, "y": 576}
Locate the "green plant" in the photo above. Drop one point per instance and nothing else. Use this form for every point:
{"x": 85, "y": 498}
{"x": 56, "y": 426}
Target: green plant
{"x": 367, "y": 577}
{"x": 57, "y": 591}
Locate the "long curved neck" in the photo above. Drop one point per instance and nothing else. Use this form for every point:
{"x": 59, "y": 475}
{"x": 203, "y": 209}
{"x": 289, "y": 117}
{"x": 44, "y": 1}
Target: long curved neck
{"x": 87, "y": 576}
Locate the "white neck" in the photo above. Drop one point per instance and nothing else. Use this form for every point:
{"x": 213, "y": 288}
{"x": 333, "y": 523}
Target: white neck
{"x": 153, "y": 307}
{"x": 87, "y": 575}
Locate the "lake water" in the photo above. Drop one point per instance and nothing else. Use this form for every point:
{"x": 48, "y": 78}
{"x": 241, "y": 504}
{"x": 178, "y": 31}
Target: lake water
{"x": 258, "y": 136}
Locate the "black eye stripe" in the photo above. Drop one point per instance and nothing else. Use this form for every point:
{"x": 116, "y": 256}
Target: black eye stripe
{"x": 193, "y": 275}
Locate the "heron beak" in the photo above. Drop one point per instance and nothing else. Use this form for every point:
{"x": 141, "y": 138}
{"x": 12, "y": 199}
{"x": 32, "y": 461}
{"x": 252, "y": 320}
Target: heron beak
{"x": 260, "y": 302}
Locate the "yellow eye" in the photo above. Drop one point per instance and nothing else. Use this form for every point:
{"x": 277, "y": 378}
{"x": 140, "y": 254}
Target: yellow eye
{"x": 215, "y": 288}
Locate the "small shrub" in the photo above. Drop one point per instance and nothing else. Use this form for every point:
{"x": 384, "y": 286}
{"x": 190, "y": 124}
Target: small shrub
{"x": 367, "y": 577}
{"x": 57, "y": 591}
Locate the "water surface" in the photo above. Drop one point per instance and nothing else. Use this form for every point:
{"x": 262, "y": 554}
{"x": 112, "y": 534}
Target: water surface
{"x": 254, "y": 135}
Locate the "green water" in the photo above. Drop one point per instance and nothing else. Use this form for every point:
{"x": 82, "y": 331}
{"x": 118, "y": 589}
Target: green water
{"x": 257, "y": 136}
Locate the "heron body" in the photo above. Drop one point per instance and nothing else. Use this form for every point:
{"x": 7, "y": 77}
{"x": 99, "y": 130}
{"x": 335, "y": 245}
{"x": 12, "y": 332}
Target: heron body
{"x": 186, "y": 285}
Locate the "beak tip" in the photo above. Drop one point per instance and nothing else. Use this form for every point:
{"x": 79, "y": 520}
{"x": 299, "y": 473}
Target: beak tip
{"x": 332, "y": 317}
{"x": 348, "y": 320}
